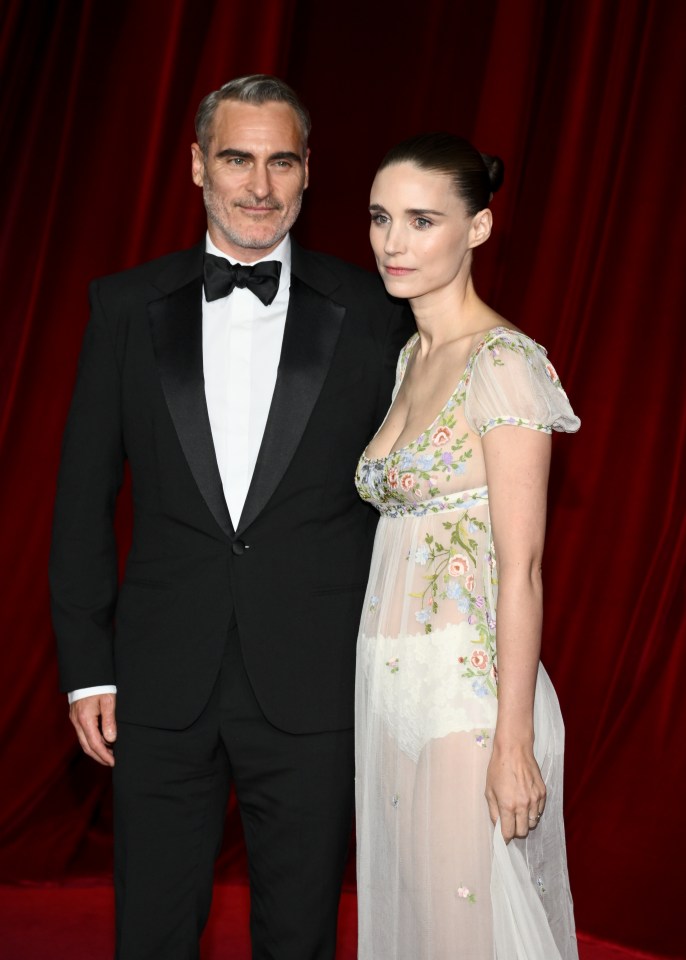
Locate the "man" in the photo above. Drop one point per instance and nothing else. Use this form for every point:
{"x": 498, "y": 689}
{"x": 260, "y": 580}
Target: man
{"x": 241, "y": 399}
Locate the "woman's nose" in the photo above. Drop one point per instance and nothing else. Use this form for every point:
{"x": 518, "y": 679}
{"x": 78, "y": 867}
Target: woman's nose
{"x": 394, "y": 241}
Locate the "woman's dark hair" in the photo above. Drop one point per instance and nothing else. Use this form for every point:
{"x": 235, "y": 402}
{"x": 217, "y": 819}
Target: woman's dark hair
{"x": 475, "y": 176}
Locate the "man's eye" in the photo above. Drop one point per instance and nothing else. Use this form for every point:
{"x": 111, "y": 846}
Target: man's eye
{"x": 237, "y": 161}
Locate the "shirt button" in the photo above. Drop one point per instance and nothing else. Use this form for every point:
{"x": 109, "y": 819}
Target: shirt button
{"x": 238, "y": 548}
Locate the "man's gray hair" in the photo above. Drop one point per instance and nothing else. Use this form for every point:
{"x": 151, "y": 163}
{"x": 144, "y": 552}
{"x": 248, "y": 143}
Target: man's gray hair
{"x": 257, "y": 88}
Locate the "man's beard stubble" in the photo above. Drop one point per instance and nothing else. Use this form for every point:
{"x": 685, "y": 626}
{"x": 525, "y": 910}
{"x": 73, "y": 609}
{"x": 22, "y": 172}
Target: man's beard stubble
{"x": 215, "y": 213}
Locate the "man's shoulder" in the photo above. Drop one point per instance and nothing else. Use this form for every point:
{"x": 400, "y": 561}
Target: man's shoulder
{"x": 164, "y": 272}
{"x": 328, "y": 261}
{"x": 324, "y": 269}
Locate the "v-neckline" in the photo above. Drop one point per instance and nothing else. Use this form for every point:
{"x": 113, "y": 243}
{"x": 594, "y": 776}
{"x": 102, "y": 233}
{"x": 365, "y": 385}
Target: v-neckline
{"x": 411, "y": 344}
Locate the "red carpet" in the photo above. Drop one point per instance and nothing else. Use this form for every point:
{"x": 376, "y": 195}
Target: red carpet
{"x": 74, "y": 922}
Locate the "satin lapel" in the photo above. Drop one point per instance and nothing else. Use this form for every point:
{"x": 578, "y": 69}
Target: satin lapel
{"x": 176, "y": 327}
{"x": 313, "y": 324}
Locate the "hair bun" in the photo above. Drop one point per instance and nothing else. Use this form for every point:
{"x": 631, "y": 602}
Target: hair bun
{"x": 496, "y": 171}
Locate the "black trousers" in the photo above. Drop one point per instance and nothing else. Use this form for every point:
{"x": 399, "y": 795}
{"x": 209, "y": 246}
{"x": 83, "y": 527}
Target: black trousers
{"x": 295, "y": 795}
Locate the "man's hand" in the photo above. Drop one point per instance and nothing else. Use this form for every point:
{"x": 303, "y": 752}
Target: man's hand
{"x": 96, "y": 727}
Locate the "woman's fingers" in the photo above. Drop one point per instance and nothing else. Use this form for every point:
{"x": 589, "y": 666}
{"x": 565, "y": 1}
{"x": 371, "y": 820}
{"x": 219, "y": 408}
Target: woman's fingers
{"x": 516, "y": 793}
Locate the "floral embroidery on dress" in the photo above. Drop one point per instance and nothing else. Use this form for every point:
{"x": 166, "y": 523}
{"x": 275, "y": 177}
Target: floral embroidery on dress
{"x": 552, "y": 373}
{"x": 450, "y": 577}
{"x": 511, "y": 421}
{"x": 481, "y": 739}
{"x": 393, "y": 664}
{"x": 465, "y": 894}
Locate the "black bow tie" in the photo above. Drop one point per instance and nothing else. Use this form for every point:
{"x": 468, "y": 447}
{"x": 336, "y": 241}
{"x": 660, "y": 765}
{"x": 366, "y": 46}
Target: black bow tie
{"x": 221, "y": 277}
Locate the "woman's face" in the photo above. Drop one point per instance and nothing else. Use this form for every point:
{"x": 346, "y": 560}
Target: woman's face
{"x": 420, "y": 232}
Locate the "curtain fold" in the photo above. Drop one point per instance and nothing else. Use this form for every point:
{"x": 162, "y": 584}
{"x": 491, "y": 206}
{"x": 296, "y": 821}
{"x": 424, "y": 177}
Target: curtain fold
{"x": 583, "y": 100}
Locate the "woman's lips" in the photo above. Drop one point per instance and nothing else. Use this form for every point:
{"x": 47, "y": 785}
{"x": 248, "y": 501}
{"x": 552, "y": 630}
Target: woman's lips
{"x": 398, "y": 271}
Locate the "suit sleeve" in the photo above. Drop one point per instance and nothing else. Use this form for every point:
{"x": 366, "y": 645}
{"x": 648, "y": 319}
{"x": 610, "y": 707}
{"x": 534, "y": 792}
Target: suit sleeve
{"x": 83, "y": 558}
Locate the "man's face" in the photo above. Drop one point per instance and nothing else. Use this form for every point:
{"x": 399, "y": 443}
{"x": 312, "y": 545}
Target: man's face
{"x": 253, "y": 176}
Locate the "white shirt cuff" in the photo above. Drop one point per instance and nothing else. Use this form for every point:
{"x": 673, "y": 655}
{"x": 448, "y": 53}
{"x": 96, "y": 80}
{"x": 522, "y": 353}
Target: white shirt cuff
{"x": 89, "y": 692}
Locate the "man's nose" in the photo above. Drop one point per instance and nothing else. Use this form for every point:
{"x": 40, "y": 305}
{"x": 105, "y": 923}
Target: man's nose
{"x": 259, "y": 181}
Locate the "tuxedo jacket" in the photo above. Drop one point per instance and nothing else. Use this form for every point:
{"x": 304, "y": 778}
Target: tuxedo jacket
{"x": 293, "y": 573}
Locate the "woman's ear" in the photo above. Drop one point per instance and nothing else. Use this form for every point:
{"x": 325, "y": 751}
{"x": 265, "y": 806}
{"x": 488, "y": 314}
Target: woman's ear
{"x": 480, "y": 230}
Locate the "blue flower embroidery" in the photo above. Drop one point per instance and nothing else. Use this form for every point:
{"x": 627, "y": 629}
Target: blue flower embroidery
{"x": 421, "y": 555}
{"x": 479, "y": 688}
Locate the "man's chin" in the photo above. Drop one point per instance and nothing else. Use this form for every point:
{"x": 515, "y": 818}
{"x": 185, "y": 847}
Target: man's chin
{"x": 256, "y": 240}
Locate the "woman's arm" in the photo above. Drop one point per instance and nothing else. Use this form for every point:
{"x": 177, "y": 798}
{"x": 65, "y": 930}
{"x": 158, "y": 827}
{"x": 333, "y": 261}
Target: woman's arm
{"x": 517, "y": 466}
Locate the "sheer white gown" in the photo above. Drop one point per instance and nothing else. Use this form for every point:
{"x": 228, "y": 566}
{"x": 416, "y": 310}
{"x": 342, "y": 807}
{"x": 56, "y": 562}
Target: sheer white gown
{"x": 435, "y": 881}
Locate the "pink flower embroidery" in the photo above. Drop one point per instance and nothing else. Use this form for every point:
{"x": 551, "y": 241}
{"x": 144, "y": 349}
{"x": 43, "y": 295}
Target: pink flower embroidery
{"x": 465, "y": 894}
{"x": 469, "y": 582}
{"x": 479, "y": 659}
{"x": 407, "y": 481}
{"x": 393, "y": 477}
{"x": 441, "y": 436}
{"x": 552, "y": 372}
{"x": 458, "y": 565}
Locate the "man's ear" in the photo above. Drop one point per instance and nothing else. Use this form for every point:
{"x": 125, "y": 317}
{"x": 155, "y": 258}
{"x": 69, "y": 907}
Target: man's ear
{"x": 197, "y": 165}
{"x": 480, "y": 230}
{"x": 307, "y": 169}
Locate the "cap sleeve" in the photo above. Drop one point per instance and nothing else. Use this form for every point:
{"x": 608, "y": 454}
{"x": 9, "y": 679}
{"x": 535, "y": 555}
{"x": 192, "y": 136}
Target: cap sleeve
{"x": 513, "y": 382}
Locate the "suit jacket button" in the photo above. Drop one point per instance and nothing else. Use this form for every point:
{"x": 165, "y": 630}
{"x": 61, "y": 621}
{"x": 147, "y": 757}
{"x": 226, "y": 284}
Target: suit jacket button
{"x": 238, "y": 548}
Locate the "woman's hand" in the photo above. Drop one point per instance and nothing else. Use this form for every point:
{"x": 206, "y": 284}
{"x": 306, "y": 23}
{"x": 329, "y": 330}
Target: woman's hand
{"x": 515, "y": 790}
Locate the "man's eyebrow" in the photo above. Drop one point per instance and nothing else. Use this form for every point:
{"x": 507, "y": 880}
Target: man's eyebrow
{"x": 286, "y": 155}
{"x": 246, "y": 155}
{"x": 231, "y": 152}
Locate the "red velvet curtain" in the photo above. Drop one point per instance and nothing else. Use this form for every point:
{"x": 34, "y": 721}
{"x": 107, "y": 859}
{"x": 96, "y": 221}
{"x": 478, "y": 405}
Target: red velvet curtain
{"x": 584, "y": 101}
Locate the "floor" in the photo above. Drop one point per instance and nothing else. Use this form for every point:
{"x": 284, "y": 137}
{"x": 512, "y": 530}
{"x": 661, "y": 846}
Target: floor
{"x": 74, "y": 922}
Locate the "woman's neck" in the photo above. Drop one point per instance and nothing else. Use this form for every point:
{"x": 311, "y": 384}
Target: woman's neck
{"x": 446, "y": 315}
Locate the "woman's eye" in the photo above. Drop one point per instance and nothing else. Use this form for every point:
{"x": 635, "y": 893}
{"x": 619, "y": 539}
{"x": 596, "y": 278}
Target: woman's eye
{"x": 422, "y": 223}
{"x": 379, "y": 218}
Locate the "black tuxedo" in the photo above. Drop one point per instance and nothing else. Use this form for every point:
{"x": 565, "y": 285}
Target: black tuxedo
{"x": 292, "y": 575}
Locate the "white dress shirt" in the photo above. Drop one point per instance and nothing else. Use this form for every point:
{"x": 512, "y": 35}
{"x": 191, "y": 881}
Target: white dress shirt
{"x": 241, "y": 347}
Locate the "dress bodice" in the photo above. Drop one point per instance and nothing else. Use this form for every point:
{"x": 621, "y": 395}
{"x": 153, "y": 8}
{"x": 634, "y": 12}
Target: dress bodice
{"x": 507, "y": 380}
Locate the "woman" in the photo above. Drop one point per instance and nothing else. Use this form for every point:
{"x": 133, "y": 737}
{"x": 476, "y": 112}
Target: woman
{"x": 458, "y": 471}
